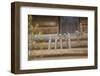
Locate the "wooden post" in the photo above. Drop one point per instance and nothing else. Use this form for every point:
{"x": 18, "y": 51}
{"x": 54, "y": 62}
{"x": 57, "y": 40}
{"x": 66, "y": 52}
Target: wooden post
{"x": 77, "y": 36}
{"x": 30, "y": 41}
{"x": 66, "y": 39}
{"x": 56, "y": 39}
{"x": 61, "y": 44}
{"x": 49, "y": 42}
{"x": 69, "y": 41}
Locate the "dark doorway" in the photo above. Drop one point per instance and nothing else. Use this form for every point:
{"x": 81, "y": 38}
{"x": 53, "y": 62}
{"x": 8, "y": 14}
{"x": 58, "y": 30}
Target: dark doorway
{"x": 69, "y": 24}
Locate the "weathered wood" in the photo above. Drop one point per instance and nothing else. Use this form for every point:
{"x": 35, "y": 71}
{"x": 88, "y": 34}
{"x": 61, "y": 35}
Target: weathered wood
{"x": 66, "y": 52}
{"x": 48, "y": 30}
{"x": 46, "y": 37}
{"x": 74, "y": 44}
{"x": 49, "y": 42}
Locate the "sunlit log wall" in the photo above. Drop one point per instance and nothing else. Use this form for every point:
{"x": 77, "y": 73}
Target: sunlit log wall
{"x": 40, "y": 27}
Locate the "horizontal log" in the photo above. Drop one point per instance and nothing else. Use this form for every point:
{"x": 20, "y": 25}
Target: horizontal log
{"x": 45, "y": 20}
{"x": 46, "y": 24}
{"x": 47, "y": 36}
{"x": 74, "y": 44}
{"x": 58, "y": 53}
{"x": 53, "y": 40}
{"x": 48, "y": 30}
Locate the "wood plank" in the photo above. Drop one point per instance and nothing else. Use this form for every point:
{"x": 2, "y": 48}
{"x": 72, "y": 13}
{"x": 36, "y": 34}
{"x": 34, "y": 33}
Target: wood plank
{"x": 48, "y": 30}
{"x": 48, "y": 24}
{"x": 58, "y": 52}
{"x": 45, "y": 37}
{"x": 74, "y": 44}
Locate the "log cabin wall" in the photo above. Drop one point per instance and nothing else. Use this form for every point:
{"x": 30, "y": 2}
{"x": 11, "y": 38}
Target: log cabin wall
{"x": 84, "y": 25}
{"x": 57, "y": 24}
{"x": 46, "y": 24}
{"x": 40, "y": 29}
